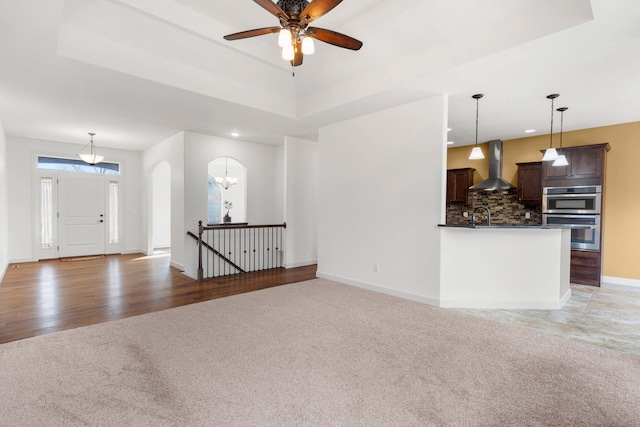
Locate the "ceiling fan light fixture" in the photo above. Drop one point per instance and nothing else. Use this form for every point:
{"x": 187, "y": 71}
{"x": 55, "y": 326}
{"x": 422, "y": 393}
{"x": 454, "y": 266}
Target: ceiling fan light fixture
{"x": 308, "y": 48}
{"x": 284, "y": 38}
{"x": 294, "y": 17}
{"x": 288, "y": 53}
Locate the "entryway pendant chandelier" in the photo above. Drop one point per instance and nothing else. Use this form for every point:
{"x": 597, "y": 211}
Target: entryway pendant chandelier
{"x": 226, "y": 181}
{"x": 92, "y": 157}
{"x": 551, "y": 153}
{"x": 562, "y": 159}
{"x": 476, "y": 153}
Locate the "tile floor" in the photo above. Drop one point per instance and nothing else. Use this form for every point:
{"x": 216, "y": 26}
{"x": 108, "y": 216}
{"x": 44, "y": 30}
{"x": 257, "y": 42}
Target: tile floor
{"x": 608, "y": 316}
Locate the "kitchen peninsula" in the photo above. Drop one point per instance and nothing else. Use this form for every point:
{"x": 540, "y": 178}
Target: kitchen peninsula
{"x": 506, "y": 266}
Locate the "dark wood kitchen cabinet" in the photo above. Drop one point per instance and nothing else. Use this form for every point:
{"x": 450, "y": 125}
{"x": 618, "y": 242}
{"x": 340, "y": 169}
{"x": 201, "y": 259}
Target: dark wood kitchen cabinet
{"x": 586, "y": 268}
{"x": 586, "y": 167}
{"x": 530, "y": 183}
{"x": 458, "y": 183}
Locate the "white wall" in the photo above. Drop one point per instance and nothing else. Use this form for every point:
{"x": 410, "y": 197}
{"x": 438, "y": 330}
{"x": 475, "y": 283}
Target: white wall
{"x": 381, "y": 198}
{"x": 301, "y": 201}
{"x": 171, "y": 151}
{"x": 280, "y": 184}
{"x": 22, "y": 203}
{"x": 161, "y": 213}
{"x": 260, "y": 163}
{"x": 4, "y": 206}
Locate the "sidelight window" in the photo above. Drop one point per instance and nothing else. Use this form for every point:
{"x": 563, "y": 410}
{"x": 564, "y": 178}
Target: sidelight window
{"x": 46, "y": 212}
{"x": 113, "y": 213}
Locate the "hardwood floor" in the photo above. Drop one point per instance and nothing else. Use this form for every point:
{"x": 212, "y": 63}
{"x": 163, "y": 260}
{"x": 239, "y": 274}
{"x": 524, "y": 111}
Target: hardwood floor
{"x": 48, "y": 296}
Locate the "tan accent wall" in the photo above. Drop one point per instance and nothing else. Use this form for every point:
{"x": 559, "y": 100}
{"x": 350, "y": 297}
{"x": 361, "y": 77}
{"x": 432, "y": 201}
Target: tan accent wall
{"x": 622, "y": 190}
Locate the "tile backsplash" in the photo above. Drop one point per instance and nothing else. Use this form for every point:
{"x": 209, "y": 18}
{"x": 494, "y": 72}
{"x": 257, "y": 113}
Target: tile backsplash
{"x": 504, "y": 207}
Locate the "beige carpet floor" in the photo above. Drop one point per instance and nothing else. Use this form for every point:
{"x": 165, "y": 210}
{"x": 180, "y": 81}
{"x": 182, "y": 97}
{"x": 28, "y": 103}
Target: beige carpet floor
{"x": 313, "y": 353}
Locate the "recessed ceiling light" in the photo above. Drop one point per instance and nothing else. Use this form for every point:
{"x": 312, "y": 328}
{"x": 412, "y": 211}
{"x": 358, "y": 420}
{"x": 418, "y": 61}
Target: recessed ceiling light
{"x": 235, "y": 134}
{"x": 529, "y": 131}
{"x": 448, "y": 129}
{"x": 450, "y": 142}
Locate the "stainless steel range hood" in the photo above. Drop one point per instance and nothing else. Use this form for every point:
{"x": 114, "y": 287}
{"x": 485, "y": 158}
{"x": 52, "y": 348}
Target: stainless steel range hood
{"x": 495, "y": 181}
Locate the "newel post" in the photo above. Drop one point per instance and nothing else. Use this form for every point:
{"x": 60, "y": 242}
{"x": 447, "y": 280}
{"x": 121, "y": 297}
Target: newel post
{"x": 200, "y": 270}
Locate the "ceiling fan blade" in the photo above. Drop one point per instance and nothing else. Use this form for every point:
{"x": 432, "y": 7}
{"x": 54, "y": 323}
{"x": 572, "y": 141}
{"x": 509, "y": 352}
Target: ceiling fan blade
{"x": 333, "y": 37}
{"x": 297, "y": 59}
{"x": 252, "y": 33}
{"x": 272, "y": 8}
{"x": 316, "y": 9}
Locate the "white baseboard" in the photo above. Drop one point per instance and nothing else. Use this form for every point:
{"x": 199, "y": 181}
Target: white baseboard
{"x": 134, "y": 251}
{"x": 508, "y": 305}
{"x": 380, "y": 289}
{"x": 3, "y": 270}
{"x": 552, "y": 305}
{"x": 21, "y": 260}
{"x": 565, "y": 298}
{"x": 189, "y": 275}
{"x": 300, "y": 263}
{"x": 620, "y": 281}
{"x": 176, "y": 265}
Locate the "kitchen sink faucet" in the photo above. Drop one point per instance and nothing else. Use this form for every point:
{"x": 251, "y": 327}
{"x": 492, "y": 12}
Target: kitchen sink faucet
{"x": 473, "y": 215}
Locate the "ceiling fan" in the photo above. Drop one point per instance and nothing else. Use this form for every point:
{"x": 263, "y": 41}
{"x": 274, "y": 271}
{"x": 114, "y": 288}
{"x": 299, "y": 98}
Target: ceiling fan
{"x": 295, "y": 35}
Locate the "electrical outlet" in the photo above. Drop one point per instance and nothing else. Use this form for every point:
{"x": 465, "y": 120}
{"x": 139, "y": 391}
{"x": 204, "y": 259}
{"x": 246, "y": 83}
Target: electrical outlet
{"x": 465, "y": 214}
{"x": 376, "y": 268}
{"x": 527, "y": 215}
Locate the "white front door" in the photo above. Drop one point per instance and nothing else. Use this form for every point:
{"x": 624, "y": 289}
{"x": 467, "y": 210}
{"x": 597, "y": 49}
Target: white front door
{"x": 82, "y": 216}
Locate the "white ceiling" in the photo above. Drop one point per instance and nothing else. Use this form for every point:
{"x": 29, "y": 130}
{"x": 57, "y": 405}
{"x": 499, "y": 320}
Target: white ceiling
{"x": 136, "y": 72}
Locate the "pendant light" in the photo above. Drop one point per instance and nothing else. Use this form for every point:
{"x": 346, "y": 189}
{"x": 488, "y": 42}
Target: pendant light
{"x": 92, "y": 157}
{"x": 562, "y": 159}
{"x": 226, "y": 181}
{"x": 476, "y": 153}
{"x": 551, "y": 153}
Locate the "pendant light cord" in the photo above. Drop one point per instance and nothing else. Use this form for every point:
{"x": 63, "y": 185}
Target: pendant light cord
{"x": 551, "y": 97}
{"x": 562, "y": 110}
{"x": 561, "y": 126}
{"x": 477, "y": 98}
{"x": 477, "y": 114}
{"x": 551, "y": 133}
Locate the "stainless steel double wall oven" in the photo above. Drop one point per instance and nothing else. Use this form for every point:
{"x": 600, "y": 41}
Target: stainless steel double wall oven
{"x": 576, "y": 205}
